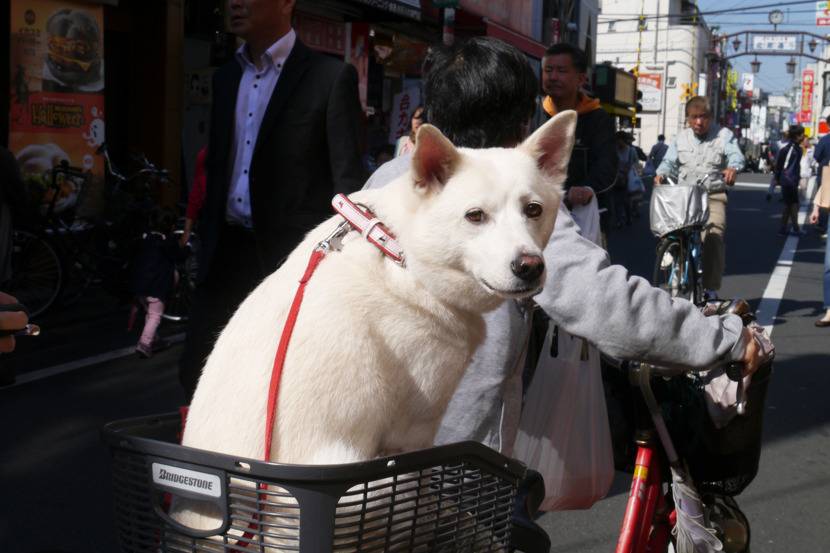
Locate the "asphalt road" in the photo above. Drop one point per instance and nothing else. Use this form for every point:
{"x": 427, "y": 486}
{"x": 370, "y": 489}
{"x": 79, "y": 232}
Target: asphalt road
{"x": 54, "y": 469}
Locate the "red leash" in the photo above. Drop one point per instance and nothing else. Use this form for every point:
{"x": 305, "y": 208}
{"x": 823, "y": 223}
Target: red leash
{"x": 376, "y": 233}
{"x": 279, "y": 361}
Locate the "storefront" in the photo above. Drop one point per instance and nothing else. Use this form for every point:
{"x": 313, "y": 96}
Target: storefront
{"x": 152, "y": 86}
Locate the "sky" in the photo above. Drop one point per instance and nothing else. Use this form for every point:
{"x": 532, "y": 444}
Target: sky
{"x": 773, "y": 76}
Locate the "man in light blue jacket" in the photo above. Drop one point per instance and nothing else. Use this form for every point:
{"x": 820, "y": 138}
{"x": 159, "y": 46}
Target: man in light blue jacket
{"x": 481, "y": 94}
{"x": 705, "y": 149}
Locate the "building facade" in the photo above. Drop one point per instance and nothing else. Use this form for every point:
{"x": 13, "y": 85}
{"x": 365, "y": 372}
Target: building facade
{"x": 671, "y": 50}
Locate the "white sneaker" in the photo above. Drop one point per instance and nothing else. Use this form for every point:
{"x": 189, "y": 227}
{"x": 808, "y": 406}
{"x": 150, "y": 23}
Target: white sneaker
{"x": 667, "y": 260}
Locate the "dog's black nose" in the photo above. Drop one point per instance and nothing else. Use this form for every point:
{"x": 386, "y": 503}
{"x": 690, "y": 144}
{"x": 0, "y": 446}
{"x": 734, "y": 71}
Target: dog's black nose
{"x": 528, "y": 267}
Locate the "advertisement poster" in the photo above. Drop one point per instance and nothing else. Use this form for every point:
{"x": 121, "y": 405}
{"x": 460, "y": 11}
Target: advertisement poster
{"x": 806, "y": 113}
{"x": 651, "y": 85}
{"x": 57, "y": 92}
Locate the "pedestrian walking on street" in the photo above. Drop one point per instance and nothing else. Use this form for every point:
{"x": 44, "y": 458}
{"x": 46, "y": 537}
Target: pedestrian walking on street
{"x": 706, "y": 150}
{"x": 593, "y": 165}
{"x": 807, "y": 163}
{"x": 821, "y": 203}
{"x": 655, "y": 156}
{"x": 821, "y": 153}
{"x": 284, "y": 139}
{"x": 787, "y": 175}
{"x": 627, "y": 160}
{"x": 154, "y": 275}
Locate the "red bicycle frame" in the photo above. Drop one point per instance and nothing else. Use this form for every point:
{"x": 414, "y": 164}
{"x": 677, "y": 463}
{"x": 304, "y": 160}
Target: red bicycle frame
{"x": 648, "y": 519}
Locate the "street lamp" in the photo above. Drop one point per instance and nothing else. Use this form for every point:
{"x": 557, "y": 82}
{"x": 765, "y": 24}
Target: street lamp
{"x": 736, "y": 43}
{"x": 756, "y": 65}
{"x": 791, "y": 66}
{"x": 813, "y": 44}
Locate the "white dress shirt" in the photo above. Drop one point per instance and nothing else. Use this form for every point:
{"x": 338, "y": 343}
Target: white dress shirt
{"x": 255, "y": 90}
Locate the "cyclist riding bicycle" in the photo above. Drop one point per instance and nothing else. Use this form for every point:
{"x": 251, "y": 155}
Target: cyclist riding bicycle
{"x": 705, "y": 148}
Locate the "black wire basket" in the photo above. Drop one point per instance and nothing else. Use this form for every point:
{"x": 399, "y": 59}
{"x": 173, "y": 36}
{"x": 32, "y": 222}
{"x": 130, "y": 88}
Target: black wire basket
{"x": 724, "y": 460}
{"x": 451, "y": 498}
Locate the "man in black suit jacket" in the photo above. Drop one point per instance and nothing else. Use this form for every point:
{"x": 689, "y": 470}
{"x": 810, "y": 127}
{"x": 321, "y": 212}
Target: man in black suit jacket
{"x": 274, "y": 162}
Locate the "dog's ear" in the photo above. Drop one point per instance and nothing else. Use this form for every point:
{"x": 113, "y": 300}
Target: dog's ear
{"x": 552, "y": 143}
{"x": 435, "y": 158}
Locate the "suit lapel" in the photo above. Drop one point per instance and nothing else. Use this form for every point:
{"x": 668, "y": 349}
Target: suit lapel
{"x": 295, "y": 67}
{"x": 227, "y": 115}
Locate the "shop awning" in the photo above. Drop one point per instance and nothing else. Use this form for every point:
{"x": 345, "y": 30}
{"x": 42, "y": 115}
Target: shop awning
{"x": 523, "y": 43}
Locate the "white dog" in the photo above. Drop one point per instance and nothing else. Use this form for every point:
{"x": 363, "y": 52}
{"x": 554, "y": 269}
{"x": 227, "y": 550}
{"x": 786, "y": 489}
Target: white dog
{"x": 378, "y": 348}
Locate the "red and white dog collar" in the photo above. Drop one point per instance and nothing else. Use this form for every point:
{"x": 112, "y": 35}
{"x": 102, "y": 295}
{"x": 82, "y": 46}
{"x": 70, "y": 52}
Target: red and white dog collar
{"x": 369, "y": 226}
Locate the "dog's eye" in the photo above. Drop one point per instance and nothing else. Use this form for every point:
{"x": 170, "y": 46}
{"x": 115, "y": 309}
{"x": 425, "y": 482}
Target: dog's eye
{"x": 475, "y": 216}
{"x": 533, "y": 210}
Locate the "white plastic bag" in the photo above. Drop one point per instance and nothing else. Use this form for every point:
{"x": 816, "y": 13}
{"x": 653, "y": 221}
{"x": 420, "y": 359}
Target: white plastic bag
{"x": 564, "y": 432}
{"x": 586, "y": 218}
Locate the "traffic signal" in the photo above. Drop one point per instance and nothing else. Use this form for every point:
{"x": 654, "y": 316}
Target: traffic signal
{"x": 687, "y": 91}
{"x": 638, "y": 106}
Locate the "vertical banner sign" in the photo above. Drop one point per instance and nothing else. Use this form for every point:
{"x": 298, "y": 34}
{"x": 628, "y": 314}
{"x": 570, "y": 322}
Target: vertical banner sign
{"x": 748, "y": 83}
{"x": 402, "y": 107}
{"x": 823, "y": 14}
{"x": 57, "y": 92}
{"x": 806, "y": 113}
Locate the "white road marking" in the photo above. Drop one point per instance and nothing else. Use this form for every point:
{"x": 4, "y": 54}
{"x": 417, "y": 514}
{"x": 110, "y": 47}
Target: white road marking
{"x": 759, "y": 185}
{"x": 774, "y": 292}
{"x": 40, "y": 374}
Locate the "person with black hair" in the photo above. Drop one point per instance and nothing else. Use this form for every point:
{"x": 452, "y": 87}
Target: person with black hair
{"x": 787, "y": 174}
{"x": 655, "y": 156}
{"x": 593, "y": 167}
{"x": 481, "y": 94}
{"x": 284, "y": 138}
{"x": 154, "y": 274}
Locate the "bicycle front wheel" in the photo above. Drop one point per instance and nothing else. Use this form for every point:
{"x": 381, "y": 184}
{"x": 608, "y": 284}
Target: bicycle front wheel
{"x": 37, "y": 274}
{"x": 671, "y": 268}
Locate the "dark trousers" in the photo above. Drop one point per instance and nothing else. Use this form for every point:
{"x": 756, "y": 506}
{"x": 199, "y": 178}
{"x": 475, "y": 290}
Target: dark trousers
{"x": 621, "y": 206}
{"x": 234, "y": 272}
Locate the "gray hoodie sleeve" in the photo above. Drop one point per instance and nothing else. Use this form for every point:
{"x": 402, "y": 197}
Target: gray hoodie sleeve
{"x": 624, "y": 315}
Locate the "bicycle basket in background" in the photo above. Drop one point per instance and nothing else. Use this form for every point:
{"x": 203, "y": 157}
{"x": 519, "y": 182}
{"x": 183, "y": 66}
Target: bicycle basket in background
{"x": 451, "y": 498}
{"x": 675, "y": 207}
{"x": 721, "y": 460}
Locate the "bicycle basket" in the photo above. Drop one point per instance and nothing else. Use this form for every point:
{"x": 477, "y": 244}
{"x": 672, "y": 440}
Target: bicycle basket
{"x": 722, "y": 460}
{"x": 451, "y": 498}
{"x": 677, "y": 206}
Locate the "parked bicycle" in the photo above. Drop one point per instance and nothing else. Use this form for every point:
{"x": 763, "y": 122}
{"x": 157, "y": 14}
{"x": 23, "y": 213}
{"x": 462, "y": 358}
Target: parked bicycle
{"x": 58, "y": 249}
{"x": 678, "y": 215}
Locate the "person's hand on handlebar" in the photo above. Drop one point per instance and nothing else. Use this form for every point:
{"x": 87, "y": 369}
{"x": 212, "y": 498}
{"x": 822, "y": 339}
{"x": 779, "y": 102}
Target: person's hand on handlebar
{"x": 10, "y": 320}
{"x": 729, "y": 175}
{"x": 659, "y": 179}
{"x": 754, "y": 356}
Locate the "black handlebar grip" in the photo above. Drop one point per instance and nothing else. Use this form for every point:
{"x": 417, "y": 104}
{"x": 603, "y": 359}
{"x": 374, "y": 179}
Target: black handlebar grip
{"x": 735, "y": 371}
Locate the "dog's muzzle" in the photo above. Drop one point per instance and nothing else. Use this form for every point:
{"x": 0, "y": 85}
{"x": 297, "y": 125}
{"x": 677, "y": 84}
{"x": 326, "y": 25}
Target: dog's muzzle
{"x": 528, "y": 267}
